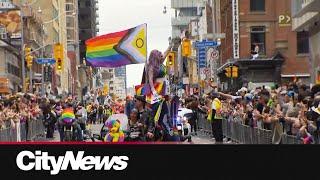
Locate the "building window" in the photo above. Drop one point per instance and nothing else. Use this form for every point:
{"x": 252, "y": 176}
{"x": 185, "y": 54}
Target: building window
{"x": 257, "y": 5}
{"x": 68, "y": 7}
{"x": 302, "y": 42}
{"x": 258, "y": 40}
{"x": 88, "y": 3}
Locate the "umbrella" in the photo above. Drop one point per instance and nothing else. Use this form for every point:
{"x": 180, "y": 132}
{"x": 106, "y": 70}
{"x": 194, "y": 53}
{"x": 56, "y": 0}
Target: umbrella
{"x": 123, "y": 118}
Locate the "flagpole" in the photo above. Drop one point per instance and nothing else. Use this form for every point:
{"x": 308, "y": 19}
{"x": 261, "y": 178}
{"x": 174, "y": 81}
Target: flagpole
{"x": 146, "y": 63}
{"x": 125, "y": 80}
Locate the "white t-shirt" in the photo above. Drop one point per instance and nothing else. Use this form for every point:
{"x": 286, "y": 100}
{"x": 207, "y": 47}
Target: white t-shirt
{"x": 236, "y": 97}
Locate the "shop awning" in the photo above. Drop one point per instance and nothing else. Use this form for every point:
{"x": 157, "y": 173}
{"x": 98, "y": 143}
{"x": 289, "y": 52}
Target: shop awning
{"x": 294, "y": 75}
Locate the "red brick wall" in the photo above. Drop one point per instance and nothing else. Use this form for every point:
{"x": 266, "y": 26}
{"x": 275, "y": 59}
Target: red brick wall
{"x": 293, "y": 63}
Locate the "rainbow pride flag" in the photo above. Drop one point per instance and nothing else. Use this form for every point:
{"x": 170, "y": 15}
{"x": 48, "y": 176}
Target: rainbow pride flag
{"x": 145, "y": 91}
{"x": 68, "y": 115}
{"x": 119, "y": 48}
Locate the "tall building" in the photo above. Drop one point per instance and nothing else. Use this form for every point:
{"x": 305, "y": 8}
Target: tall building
{"x": 306, "y": 14}
{"x": 10, "y": 46}
{"x": 260, "y": 41}
{"x": 115, "y": 79}
{"x": 185, "y": 12}
{"x": 45, "y": 24}
{"x": 73, "y": 45}
{"x": 88, "y": 21}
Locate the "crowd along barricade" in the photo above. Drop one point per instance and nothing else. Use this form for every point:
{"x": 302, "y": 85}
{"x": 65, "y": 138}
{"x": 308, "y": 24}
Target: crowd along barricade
{"x": 25, "y": 131}
{"x": 239, "y": 133}
{"x": 204, "y": 126}
{"x": 290, "y": 139}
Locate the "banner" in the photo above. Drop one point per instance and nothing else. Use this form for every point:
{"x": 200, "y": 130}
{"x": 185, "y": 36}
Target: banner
{"x": 235, "y": 19}
{"x": 4, "y": 85}
{"x": 119, "y": 48}
{"x": 10, "y": 20}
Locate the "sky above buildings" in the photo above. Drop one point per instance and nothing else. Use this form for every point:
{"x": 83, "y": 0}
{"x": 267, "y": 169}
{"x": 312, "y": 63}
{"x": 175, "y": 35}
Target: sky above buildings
{"x": 117, "y": 15}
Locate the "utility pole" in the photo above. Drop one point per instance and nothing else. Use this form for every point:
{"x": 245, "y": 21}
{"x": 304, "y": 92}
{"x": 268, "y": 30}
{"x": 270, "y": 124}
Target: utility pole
{"x": 22, "y": 53}
{"x": 42, "y": 66}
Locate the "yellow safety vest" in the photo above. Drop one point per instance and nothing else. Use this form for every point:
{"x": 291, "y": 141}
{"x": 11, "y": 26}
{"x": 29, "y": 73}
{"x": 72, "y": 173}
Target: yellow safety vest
{"x": 216, "y": 105}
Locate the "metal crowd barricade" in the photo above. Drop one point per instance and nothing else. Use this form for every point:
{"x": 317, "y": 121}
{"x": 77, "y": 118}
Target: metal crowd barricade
{"x": 243, "y": 134}
{"x": 7, "y": 134}
{"x": 27, "y": 131}
{"x": 23, "y": 131}
{"x": 290, "y": 139}
{"x": 204, "y": 125}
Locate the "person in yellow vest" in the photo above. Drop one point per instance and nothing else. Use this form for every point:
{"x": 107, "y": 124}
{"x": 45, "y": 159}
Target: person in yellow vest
{"x": 215, "y": 117}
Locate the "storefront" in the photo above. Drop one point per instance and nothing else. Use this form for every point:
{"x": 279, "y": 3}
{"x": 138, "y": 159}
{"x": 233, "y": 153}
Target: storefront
{"x": 262, "y": 72}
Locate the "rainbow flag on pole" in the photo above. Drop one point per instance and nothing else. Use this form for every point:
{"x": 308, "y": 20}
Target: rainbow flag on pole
{"x": 119, "y": 48}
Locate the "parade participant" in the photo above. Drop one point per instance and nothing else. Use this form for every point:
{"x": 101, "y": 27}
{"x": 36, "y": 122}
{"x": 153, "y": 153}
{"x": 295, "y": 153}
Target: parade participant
{"x": 81, "y": 115}
{"x": 129, "y": 105}
{"x": 100, "y": 113}
{"x": 145, "y": 117}
{"x": 69, "y": 113}
{"x": 136, "y": 130}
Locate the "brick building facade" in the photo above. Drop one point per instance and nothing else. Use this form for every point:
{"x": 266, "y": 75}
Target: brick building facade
{"x": 259, "y": 25}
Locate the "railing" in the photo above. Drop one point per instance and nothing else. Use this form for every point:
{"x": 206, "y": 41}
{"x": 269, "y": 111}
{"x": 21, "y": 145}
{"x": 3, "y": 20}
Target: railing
{"x": 239, "y": 133}
{"x": 26, "y": 131}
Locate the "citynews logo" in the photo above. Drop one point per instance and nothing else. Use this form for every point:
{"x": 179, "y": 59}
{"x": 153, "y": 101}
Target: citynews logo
{"x": 42, "y": 161}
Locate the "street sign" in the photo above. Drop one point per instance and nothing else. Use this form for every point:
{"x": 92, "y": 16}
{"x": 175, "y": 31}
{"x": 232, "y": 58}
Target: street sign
{"x": 235, "y": 25}
{"x": 7, "y": 5}
{"x": 202, "y": 57}
{"x": 284, "y": 20}
{"x": 202, "y": 73}
{"x": 212, "y": 54}
{"x": 205, "y": 44}
{"x": 202, "y": 51}
{"x": 45, "y": 61}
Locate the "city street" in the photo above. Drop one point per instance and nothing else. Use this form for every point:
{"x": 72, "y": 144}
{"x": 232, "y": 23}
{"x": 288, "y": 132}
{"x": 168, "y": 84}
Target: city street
{"x": 160, "y": 66}
{"x": 200, "y": 139}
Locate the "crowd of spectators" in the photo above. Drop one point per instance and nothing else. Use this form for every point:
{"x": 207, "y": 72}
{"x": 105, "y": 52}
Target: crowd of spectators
{"x": 18, "y": 108}
{"x": 293, "y": 109}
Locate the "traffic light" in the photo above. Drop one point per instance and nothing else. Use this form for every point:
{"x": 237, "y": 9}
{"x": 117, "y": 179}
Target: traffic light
{"x": 28, "y": 56}
{"x": 58, "y": 55}
{"x": 59, "y": 64}
{"x": 27, "y": 51}
{"x": 170, "y": 60}
{"x": 235, "y": 71}
{"x": 29, "y": 60}
{"x": 186, "y": 48}
{"x": 232, "y": 71}
{"x": 318, "y": 78}
{"x": 228, "y": 71}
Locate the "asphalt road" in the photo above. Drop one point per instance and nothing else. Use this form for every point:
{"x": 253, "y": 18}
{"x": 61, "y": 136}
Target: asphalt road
{"x": 95, "y": 128}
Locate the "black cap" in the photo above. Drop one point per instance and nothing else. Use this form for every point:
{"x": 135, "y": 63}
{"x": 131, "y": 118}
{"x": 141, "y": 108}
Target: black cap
{"x": 140, "y": 98}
